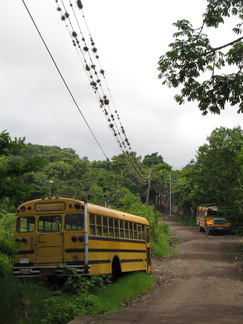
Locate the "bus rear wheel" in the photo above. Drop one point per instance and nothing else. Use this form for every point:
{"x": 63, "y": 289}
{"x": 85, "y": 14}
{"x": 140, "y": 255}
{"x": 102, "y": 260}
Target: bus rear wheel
{"x": 116, "y": 269}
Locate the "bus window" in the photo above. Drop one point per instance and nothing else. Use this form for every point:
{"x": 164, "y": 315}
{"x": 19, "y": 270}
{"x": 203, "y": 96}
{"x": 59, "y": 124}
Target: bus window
{"x": 116, "y": 228}
{"x": 98, "y": 225}
{"x": 74, "y": 222}
{"x": 131, "y": 230}
{"x": 135, "y": 231}
{"x": 111, "y": 227}
{"x": 92, "y": 223}
{"x": 126, "y": 229}
{"x": 105, "y": 226}
{"x": 26, "y": 224}
{"x": 50, "y": 223}
{"x": 139, "y": 232}
{"x": 143, "y": 233}
{"x": 121, "y": 228}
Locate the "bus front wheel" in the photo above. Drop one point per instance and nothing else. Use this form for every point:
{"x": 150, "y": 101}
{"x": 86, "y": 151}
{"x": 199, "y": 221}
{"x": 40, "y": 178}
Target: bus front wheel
{"x": 208, "y": 232}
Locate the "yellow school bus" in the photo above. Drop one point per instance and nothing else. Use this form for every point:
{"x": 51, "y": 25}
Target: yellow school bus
{"x": 83, "y": 236}
{"x": 209, "y": 220}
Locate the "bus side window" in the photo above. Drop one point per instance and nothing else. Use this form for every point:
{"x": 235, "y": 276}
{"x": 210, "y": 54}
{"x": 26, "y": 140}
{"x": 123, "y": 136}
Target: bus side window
{"x": 92, "y": 223}
{"x": 111, "y": 227}
{"x": 131, "y": 230}
{"x": 121, "y": 228}
{"x": 135, "y": 231}
{"x": 126, "y": 229}
{"x": 139, "y": 232}
{"x": 98, "y": 225}
{"x": 143, "y": 234}
{"x": 116, "y": 228}
{"x": 105, "y": 226}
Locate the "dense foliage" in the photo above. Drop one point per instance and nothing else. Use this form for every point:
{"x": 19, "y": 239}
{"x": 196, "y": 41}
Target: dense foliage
{"x": 216, "y": 176}
{"x": 193, "y": 63}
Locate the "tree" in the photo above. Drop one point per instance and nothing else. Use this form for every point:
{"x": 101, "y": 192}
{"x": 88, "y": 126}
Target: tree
{"x": 191, "y": 56}
{"x": 13, "y": 169}
{"x": 219, "y": 171}
{"x": 152, "y": 159}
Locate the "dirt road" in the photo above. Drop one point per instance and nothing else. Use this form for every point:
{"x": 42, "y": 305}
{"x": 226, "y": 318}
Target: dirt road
{"x": 203, "y": 284}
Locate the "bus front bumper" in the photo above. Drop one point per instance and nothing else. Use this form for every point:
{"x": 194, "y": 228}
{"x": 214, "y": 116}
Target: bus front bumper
{"x": 219, "y": 228}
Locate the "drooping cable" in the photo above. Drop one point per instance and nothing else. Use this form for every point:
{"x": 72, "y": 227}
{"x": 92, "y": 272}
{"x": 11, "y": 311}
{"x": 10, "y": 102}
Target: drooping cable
{"x": 65, "y": 83}
{"x": 89, "y": 57}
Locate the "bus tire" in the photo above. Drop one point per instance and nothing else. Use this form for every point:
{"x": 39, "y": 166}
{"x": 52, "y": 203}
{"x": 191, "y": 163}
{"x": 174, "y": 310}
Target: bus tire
{"x": 200, "y": 228}
{"x": 208, "y": 232}
{"x": 116, "y": 268}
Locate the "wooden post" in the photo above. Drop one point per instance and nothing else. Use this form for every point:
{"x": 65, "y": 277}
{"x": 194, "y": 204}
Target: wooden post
{"x": 149, "y": 183}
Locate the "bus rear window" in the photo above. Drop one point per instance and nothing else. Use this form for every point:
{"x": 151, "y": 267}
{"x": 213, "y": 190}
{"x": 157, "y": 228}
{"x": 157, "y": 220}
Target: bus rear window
{"x": 25, "y": 224}
{"x": 50, "y": 224}
{"x": 74, "y": 222}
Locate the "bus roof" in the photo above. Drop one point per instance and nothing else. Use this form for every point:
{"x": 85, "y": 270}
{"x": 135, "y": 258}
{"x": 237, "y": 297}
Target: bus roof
{"x": 92, "y": 208}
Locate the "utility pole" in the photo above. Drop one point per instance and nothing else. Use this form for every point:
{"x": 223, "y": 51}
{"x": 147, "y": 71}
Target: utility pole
{"x": 149, "y": 183}
{"x": 170, "y": 193}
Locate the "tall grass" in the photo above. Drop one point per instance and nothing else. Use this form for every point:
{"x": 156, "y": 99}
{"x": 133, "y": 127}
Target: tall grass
{"x": 113, "y": 297}
{"x": 21, "y": 300}
{"x": 162, "y": 243}
{"x": 33, "y": 302}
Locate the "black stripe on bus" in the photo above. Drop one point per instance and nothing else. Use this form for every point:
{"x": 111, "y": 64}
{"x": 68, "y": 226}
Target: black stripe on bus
{"x": 105, "y": 250}
{"x": 74, "y": 250}
{"x": 115, "y": 239}
{"x": 99, "y": 261}
{"x": 26, "y": 252}
{"x": 131, "y": 260}
{"x": 117, "y": 250}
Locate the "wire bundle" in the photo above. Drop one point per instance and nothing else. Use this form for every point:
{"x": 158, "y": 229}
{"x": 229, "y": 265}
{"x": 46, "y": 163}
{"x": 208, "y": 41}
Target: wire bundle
{"x": 88, "y": 54}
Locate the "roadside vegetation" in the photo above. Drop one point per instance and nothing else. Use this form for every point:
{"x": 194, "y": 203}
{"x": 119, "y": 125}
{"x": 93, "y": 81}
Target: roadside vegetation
{"x": 38, "y": 301}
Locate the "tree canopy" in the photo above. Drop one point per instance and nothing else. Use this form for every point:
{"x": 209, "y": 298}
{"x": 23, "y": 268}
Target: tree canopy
{"x": 191, "y": 56}
{"x": 215, "y": 176}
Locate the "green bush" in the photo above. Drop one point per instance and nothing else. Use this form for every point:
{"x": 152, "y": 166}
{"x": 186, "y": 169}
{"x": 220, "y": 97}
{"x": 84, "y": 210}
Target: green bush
{"x": 62, "y": 309}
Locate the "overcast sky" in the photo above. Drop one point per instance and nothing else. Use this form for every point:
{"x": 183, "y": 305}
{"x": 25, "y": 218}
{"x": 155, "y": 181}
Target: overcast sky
{"x": 130, "y": 36}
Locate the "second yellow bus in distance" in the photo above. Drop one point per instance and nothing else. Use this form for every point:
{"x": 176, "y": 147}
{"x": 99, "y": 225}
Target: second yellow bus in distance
{"x": 83, "y": 236}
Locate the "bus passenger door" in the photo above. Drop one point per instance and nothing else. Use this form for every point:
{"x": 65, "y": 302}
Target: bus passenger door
{"x": 49, "y": 240}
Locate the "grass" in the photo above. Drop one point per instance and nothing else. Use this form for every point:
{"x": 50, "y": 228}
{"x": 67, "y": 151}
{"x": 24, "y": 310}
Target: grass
{"x": 20, "y": 300}
{"x": 33, "y": 302}
{"x": 162, "y": 245}
{"x": 113, "y": 297}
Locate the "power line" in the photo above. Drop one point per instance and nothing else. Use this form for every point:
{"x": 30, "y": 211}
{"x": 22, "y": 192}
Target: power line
{"x": 85, "y": 53}
{"x": 65, "y": 83}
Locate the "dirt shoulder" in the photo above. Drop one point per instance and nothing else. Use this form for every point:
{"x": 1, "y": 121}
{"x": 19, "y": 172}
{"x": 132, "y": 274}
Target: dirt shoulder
{"x": 202, "y": 284}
